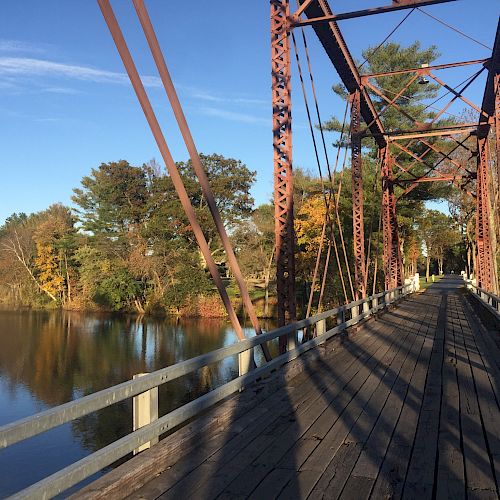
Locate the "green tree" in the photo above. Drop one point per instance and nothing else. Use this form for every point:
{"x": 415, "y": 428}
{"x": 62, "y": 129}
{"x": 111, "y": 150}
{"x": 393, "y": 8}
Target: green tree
{"x": 439, "y": 234}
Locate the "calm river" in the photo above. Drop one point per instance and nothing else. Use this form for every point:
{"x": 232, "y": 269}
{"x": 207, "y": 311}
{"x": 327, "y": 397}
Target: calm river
{"x": 50, "y": 357}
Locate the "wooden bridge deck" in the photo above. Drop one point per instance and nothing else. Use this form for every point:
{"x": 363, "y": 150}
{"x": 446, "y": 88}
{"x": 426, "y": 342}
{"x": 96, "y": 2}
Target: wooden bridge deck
{"x": 407, "y": 408}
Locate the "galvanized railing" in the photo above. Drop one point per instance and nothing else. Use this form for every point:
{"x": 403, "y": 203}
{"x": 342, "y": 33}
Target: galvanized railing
{"x": 342, "y": 318}
{"x": 489, "y": 300}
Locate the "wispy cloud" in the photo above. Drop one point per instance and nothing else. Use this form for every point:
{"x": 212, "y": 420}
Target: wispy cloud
{"x": 61, "y": 90}
{"x": 206, "y": 96}
{"x": 234, "y": 116}
{"x": 27, "y": 67}
{"x": 21, "y": 46}
{"x": 47, "y": 120}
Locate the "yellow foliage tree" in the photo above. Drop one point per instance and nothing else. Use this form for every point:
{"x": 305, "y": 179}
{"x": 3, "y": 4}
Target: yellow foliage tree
{"x": 48, "y": 266}
{"x": 309, "y": 224}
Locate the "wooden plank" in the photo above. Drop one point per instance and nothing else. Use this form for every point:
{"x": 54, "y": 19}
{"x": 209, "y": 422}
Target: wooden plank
{"x": 450, "y": 473}
{"x": 232, "y": 447}
{"x": 373, "y": 393}
{"x": 479, "y": 474}
{"x": 361, "y": 479}
{"x": 353, "y": 401}
{"x": 421, "y": 401}
{"x": 342, "y": 463}
{"x": 271, "y": 457}
{"x": 390, "y": 481}
{"x": 278, "y": 446}
{"x": 420, "y": 474}
{"x": 478, "y": 430}
{"x": 374, "y": 452}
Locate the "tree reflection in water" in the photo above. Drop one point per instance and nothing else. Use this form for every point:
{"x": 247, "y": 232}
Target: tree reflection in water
{"x": 58, "y": 356}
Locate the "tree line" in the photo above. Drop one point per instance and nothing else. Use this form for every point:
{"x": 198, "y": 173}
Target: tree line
{"x": 127, "y": 244}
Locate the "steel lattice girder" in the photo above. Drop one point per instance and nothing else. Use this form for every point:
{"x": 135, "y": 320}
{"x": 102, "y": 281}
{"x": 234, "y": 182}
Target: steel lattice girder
{"x": 486, "y": 277}
{"x": 392, "y": 251}
{"x": 486, "y": 265}
{"x": 395, "y": 6}
{"x": 357, "y": 198}
{"x": 283, "y": 174}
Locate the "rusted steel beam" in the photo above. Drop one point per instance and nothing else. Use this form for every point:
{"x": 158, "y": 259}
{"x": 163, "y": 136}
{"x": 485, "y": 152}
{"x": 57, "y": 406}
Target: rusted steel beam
{"x": 445, "y": 178}
{"x": 497, "y": 125}
{"x": 446, "y": 156}
{"x": 392, "y": 102}
{"x": 435, "y": 132}
{"x": 411, "y": 165}
{"x": 456, "y": 94}
{"x": 283, "y": 173}
{"x": 486, "y": 275}
{"x": 357, "y": 198}
{"x": 403, "y": 169}
{"x": 431, "y": 168}
{"x": 434, "y": 167}
{"x": 159, "y": 59}
{"x": 490, "y": 96}
{"x": 392, "y": 251}
{"x": 367, "y": 12}
{"x": 138, "y": 86}
{"x": 454, "y": 181}
{"x": 487, "y": 271}
{"x": 426, "y": 69}
{"x": 331, "y": 38}
{"x": 301, "y": 9}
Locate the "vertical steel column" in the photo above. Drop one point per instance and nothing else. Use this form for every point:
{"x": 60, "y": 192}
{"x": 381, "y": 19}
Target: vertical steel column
{"x": 485, "y": 258}
{"x": 357, "y": 197}
{"x": 496, "y": 89}
{"x": 392, "y": 250}
{"x": 283, "y": 175}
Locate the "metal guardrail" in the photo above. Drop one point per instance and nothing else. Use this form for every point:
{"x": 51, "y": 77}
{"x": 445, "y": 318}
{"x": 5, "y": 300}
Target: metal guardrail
{"x": 489, "y": 300}
{"x": 60, "y": 481}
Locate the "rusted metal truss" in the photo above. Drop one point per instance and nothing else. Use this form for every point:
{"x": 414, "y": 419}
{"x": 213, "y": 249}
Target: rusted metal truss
{"x": 323, "y": 21}
{"x": 485, "y": 234}
{"x": 283, "y": 173}
{"x": 393, "y": 264}
{"x": 396, "y": 5}
{"x": 357, "y": 198}
{"x": 426, "y": 130}
{"x": 485, "y": 257}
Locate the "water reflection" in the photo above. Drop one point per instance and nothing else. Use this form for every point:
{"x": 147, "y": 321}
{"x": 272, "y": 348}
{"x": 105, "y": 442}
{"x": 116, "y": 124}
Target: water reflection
{"x": 50, "y": 357}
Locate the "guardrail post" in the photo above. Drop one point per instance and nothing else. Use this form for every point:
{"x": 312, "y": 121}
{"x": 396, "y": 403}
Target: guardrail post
{"x": 145, "y": 411}
{"x": 245, "y": 361}
{"x": 320, "y": 327}
{"x": 375, "y": 304}
{"x": 366, "y": 306}
{"x": 292, "y": 340}
{"x": 354, "y": 312}
{"x": 341, "y": 315}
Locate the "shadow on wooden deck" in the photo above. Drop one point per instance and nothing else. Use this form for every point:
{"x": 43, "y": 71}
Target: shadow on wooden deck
{"x": 406, "y": 407}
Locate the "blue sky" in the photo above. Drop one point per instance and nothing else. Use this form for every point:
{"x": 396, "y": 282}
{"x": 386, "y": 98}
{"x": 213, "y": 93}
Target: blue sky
{"x": 66, "y": 105}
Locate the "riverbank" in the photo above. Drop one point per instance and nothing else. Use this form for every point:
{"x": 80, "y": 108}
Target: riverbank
{"x": 202, "y": 306}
